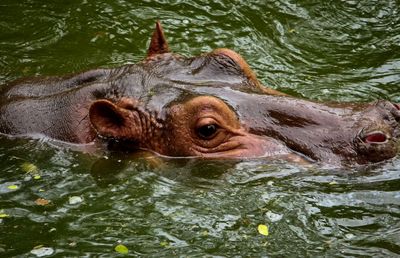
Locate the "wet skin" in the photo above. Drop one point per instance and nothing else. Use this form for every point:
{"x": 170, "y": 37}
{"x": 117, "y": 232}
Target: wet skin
{"x": 210, "y": 106}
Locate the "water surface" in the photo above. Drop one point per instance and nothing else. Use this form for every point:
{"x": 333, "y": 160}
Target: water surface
{"x": 326, "y": 51}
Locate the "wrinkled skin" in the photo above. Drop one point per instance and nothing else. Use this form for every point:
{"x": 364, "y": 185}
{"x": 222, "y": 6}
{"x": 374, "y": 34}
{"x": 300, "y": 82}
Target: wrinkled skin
{"x": 210, "y": 106}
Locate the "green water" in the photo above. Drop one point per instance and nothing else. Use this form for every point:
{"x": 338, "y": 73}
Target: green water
{"x": 323, "y": 50}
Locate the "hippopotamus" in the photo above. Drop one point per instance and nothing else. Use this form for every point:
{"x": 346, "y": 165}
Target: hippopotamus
{"x": 208, "y": 106}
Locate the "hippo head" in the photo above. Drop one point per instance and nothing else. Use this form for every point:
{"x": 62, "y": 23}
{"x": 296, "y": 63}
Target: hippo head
{"x": 213, "y": 106}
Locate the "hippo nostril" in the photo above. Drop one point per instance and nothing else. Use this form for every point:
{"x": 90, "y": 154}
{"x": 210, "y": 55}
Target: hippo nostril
{"x": 375, "y": 137}
{"x": 397, "y": 106}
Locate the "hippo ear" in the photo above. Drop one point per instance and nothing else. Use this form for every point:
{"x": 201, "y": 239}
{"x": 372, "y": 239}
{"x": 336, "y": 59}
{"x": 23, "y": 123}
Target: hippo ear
{"x": 158, "y": 44}
{"x": 109, "y": 120}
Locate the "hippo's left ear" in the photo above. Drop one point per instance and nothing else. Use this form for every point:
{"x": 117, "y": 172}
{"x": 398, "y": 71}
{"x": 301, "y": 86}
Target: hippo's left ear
{"x": 109, "y": 120}
{"x": 158, "y": 44}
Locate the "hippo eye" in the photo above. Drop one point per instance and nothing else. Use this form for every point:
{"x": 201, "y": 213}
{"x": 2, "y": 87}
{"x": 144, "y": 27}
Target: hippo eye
{"x": 207, "y": 131}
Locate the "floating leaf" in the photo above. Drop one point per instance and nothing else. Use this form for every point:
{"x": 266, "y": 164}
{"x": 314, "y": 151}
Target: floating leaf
{"x": 37, "y": 177}
{"x": 41, "y": 251}
{"x": 164, "y": 244}
{"x": 263, "y": 229}
{"x": 29, "y": 167}
{"x": 13, "y": 187}
{"x": 42, "y": 202}
{"x": 333, "y": 183}
{"x": 4, "y": 215}
{"x": 121, "y": 249}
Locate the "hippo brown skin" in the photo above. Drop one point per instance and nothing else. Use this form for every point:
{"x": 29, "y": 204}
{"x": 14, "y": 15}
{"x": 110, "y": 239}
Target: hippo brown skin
{"x": 210, "y": 106}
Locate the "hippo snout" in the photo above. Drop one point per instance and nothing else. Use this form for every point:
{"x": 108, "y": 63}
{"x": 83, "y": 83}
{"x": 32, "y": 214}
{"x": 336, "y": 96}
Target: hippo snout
{"x": 378, "y": 140}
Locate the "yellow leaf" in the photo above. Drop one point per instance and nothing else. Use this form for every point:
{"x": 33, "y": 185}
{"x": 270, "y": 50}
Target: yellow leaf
{"x": 37, "y": 177}
{"x": 12, "y": 187}
{"x": 164, "y": 244}
{"x": 121, "y": 249}
{"x": 29, "y": 167}
{"x": 263, "y": 229}
{"x": 3, "y": 215}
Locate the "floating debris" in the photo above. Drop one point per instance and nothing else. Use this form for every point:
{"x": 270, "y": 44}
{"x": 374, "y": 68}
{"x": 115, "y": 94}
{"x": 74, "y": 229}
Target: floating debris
{"x": 13, "y": 187}
{"x": 41, "y": 251}
{"x": 121, "y": 249}
{"x": 42, "y": 202}
{"x": 4, "y": 215}
{"x": 75, "y": 200}
{"x": 29, "y": 167}
{"x": 164, "y": 244}
{"x": 263, "y": 229}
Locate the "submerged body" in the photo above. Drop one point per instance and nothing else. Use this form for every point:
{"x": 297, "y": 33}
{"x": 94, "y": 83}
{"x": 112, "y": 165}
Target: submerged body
{"x": 208, "y": 106}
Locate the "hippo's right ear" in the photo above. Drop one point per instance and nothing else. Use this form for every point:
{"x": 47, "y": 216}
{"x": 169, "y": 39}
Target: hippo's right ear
{"x": 109, "y": 120}
{"x": 158, "y": 44}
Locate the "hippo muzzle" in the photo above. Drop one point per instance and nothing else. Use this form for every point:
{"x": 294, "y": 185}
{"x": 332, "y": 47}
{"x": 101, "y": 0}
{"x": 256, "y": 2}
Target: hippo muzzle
{"x": 377, "y": 139}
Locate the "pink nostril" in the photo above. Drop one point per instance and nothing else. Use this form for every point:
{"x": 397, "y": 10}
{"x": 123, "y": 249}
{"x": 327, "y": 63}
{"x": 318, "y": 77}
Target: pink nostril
{"x": 375, "y": 137}
{"x": 397, "y": 106}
